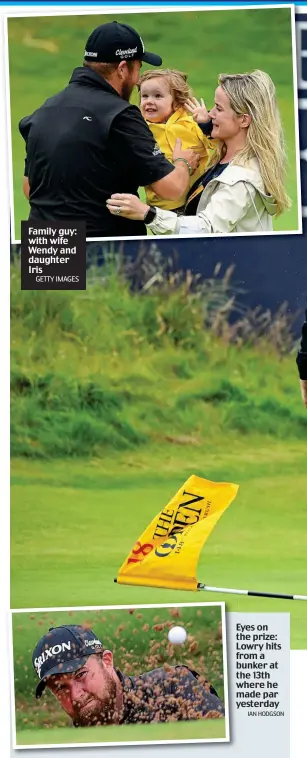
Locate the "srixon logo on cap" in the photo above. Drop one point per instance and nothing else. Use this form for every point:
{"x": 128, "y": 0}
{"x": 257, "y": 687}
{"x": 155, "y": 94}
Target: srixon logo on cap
{"x": 50, "y": 652}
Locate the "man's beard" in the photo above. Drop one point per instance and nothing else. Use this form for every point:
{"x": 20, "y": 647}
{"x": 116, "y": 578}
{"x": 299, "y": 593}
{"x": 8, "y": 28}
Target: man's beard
{"x": 98, "y": 711}
{"x": 127, "y": 90}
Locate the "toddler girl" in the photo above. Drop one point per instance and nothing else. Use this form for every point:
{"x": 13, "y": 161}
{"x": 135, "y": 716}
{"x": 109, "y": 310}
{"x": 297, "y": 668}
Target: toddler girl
{"x": 163, "y": 96}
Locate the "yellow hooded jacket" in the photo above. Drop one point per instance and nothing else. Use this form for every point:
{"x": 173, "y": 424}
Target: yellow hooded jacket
{"x": 180, "y": 125}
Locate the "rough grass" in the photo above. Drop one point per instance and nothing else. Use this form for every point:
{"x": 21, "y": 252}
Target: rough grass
{"x": 111, "y": 369}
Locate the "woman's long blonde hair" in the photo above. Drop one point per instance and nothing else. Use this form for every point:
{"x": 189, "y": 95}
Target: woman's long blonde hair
{"x": 254, "y": 94}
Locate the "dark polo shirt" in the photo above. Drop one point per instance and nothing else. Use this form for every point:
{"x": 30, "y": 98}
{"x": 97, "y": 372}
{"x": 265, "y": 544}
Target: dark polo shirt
{"x": 174, "y": 694}
{"x": 83, "y": 145}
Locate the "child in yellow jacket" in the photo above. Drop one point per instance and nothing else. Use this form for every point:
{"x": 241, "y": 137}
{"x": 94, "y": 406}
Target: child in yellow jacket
{"x": 163, "y": 95}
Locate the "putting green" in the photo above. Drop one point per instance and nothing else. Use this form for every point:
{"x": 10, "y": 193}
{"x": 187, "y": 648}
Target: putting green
{"x": 74, "y": 522}
{"x": 206, "y": 729}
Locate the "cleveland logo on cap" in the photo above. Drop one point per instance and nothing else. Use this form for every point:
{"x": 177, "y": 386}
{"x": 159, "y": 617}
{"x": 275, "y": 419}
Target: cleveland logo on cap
{"x": 113, "y": 42}
{"x": 126, "y": 53}
{"x": 92, "y": 643}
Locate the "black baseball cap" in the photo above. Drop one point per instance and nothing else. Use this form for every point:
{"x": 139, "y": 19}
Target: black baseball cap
{"x": 62, "y": 650}
{"x": 114, "y": 42}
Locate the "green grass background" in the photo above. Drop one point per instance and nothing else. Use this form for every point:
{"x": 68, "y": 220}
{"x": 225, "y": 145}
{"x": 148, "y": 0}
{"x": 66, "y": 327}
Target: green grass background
{"x": 138, "y": 640}
{"x": 184, "y": 730}
{"x": 117, "y": 398}
{"x": 44, "y": 51}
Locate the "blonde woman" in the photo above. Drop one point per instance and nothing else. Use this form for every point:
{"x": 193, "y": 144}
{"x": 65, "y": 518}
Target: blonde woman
{"x": 244, "y": 188}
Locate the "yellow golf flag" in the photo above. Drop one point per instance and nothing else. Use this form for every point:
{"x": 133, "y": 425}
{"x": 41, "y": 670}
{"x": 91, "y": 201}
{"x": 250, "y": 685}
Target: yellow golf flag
{"x": 167, "y": 553}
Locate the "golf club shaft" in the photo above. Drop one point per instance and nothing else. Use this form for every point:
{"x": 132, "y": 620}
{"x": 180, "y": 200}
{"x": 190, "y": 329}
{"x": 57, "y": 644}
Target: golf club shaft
{"x": 204, "y": 587}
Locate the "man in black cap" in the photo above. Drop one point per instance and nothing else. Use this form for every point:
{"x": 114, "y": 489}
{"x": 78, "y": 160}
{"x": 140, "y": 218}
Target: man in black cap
{"x": 72, "y": 662}
{"x": 301, "y": 361}
{"x": 87, "y": 142}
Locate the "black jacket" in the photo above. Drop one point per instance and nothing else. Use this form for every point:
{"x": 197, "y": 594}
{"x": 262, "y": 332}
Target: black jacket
{"x": 82, "y": 145}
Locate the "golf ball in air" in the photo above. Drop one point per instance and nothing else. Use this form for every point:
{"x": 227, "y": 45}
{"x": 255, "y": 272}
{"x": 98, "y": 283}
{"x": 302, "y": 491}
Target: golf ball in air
{"x": 177, "y": 635}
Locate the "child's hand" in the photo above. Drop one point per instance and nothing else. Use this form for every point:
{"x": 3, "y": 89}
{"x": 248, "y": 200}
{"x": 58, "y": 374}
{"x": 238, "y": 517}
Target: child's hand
{"x": 198, "y": 110}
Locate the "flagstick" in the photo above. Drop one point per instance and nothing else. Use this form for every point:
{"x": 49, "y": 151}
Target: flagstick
{"x": 205, "y": 588}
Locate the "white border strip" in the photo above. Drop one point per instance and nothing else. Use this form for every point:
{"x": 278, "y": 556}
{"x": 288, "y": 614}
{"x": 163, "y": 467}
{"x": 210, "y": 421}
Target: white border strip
{"x": 9, "y": 127}
{"x": 147, "y": 9}
{"x": 158, "y": 7}
{"x": 295, "y": 52}
{"x": 119, "y": 608}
